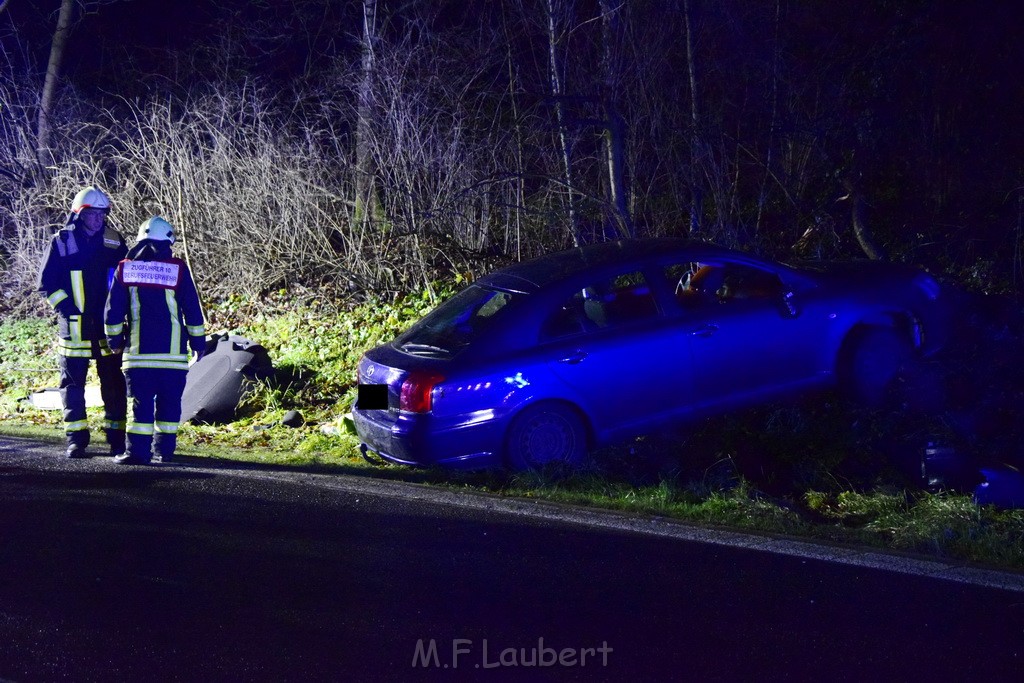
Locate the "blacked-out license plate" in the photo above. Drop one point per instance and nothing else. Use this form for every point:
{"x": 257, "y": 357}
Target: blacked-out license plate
{"x": 372, "y": 397}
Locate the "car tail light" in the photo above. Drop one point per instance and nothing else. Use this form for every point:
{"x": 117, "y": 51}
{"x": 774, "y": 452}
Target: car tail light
{"x": 417, "y": 389}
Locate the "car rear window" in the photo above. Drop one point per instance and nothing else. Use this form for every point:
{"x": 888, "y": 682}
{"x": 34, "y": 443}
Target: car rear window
{"x": 454, "y": 325}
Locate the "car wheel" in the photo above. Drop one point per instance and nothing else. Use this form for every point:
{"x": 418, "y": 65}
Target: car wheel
{"x": 874, "y": 362}
{"x": 546, "y": 434}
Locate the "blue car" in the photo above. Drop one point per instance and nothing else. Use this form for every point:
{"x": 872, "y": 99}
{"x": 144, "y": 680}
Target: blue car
{"x": 545, "y": 360}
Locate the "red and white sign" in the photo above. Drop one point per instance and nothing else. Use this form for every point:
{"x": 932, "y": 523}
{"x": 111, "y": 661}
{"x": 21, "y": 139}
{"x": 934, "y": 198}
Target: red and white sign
{"x": 150, "y": 274}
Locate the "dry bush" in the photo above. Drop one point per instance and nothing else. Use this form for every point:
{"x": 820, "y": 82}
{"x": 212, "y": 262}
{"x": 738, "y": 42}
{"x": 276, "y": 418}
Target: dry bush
{"x": 256, "y": 208}
{"x": 34, "y": 196}
{"x": 463, "y": 141}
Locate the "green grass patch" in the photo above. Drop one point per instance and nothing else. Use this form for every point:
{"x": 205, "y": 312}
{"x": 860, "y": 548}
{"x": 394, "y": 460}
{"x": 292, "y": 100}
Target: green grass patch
{"x": 28, "y": 360}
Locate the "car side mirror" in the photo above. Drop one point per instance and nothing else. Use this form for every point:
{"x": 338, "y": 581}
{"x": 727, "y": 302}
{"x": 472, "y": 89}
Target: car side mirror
{"x": 789, "y": 307}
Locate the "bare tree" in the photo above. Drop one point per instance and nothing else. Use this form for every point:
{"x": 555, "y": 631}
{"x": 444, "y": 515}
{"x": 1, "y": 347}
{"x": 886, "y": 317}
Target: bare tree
{"x": 615, "y": 126}
{"x": 60, "y": 38}
{"x": 51, "y": 81}
{"x": 555, "y": 72}
{"x": 772, "y": 124}
{"x": 696, "y": 195}
{"x": 365, "y": 170}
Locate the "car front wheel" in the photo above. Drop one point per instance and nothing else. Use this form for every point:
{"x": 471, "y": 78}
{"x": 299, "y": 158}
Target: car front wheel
{"x": 546, "y": 434}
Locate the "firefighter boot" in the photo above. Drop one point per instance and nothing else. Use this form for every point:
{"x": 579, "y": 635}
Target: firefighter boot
{"x": 116, "y": 441}
{"x": 139, "y": 446}
{"x": 164, "y": 446}
{"x": 78, "y": 441}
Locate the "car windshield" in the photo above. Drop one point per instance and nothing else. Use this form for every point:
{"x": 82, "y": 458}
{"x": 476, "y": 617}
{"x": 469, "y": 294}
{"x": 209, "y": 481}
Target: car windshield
{"x": 453, "y": 325}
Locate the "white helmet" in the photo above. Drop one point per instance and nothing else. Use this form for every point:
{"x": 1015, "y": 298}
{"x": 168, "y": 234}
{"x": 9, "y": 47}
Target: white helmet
{"x": 90, "y": 198}
{"x": 156, "y": 228}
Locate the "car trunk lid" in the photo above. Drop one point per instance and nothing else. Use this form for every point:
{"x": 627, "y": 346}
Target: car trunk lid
{"x": 394, "y": 368}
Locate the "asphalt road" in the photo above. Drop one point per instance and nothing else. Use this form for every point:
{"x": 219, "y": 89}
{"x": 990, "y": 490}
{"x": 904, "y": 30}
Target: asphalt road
{"x": 190, "y": 572}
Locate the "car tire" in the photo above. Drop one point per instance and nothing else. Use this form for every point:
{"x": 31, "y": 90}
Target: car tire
{"x": 546, "y": 434}
{"x": 873, "y": 363}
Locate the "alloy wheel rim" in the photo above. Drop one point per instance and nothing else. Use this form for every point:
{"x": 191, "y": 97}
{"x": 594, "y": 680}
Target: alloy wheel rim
{"x": 548, "y": 438}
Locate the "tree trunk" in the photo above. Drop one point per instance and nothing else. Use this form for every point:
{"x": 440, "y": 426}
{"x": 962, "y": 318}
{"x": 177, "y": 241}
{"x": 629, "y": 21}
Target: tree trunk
{"x": 554, "y": 65}
{"x": 776, "y": 60}
{"x": 861, "y": 231}
{"x": 60, "y": 38}
{"x": 366, "y": 172}
{"x": 518, "y": 202}
{"x": 696, "y": 194}
{"x": 615, "y": 127}
{"x": 615, "y": 144}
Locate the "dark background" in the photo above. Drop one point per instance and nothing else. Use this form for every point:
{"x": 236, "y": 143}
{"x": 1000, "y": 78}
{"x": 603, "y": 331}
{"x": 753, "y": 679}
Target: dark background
{"x": 912, "y": 106}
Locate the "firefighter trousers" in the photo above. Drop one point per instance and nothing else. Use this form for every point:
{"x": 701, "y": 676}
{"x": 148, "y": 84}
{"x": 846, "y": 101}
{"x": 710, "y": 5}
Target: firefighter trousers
{"x": 73, "y": 371}
{"x": 156, "y": 411}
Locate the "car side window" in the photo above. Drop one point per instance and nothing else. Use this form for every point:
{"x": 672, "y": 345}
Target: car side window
{"x": 698, "y": 284}
{"x": 695, "y": 284}
{"x": 609, "y": 302}
{"x": 742, "y": 283}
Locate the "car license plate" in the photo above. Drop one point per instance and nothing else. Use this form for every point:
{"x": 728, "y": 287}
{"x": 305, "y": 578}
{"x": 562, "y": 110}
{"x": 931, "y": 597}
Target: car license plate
{"x": 372, "y": 397}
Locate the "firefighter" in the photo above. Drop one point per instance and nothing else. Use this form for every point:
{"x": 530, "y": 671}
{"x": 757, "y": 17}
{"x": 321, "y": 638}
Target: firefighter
{"x": 74, "y": 276}
{"x": 153, "y": 317}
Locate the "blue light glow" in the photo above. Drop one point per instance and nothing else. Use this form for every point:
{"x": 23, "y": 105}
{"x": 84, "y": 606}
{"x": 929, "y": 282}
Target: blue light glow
{"x": 518, "y": 380}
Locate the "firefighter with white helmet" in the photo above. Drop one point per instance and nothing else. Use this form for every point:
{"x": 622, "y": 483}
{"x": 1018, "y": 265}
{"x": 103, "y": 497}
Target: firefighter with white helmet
{"x": 153, "y": 317}
{"x": 74, "y": 276}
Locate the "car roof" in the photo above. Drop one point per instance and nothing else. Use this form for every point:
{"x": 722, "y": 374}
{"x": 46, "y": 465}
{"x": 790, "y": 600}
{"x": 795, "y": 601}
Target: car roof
{"x": 531, "y": 275}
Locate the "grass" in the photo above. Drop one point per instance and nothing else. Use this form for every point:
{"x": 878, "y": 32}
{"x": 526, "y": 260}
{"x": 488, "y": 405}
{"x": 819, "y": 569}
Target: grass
{"x": 819, "y": 470}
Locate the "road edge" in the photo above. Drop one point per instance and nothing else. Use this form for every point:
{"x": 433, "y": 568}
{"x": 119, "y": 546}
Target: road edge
{"x": 660, "y": 526}
{"x": 664, "y": 527}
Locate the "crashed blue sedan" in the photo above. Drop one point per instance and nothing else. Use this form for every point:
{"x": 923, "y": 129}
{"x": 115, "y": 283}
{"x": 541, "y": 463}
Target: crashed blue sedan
{"x": 545, "y": 360}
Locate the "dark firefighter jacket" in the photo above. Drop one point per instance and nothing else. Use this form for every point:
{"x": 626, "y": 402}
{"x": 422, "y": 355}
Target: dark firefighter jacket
{"x": 74, "y": 277}
{"x": 154, "y": 307}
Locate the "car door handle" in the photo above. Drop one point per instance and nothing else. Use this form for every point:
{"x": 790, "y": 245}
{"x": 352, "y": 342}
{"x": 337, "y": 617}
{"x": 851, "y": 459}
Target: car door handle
{"x": 574, "y": 358}
{"x": 704, "y": 330}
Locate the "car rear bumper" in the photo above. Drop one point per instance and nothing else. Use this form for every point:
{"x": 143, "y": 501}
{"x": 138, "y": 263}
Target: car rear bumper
{"x": 419, "y": 441}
